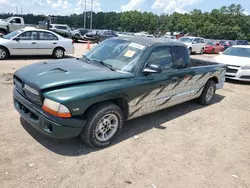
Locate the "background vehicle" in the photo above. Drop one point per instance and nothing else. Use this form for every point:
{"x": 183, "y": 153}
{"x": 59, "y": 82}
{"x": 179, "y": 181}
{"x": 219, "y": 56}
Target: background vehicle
{"x": 78, "y": 34}
{"x": 93, "y": 96}
{"x": 35, "y": 42}
{"x": 240, "y": 42}
{"x": 61, "y": 29}
{"x": 99, "y": 35}
{"x": 169, "y": 37}
{"x": 226, "y": 44}
{"x": 237, "y": 59}
{"x": 213, "y": 47}
{"x": 194, "y": 44}
{"x": 11, "y": 24}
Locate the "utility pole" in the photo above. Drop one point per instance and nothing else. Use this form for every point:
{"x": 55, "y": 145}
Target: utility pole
{"x": 91, "y": 19}
{"x": 17, "y": 10}
{"x": 85, "y": 14}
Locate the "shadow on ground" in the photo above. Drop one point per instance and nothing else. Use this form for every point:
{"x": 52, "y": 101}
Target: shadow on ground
{"x": 74, "y": 147}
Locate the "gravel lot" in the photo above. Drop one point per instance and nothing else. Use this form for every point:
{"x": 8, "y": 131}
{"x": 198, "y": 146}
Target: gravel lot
{"x": 184, "y": 146}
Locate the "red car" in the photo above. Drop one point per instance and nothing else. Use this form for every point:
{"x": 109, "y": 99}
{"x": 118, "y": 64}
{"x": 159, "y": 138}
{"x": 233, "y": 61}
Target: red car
{"x": 213, "y": 47}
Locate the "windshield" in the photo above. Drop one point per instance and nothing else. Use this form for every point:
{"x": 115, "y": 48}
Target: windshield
{"x": 211, "y": 43}
{"x": 7, "y": 19}
{"x": 186, "y": 39}
{"x": 12, "y": 34}
{"x": 120, "y": 54}
{"x": 236, "y": 51}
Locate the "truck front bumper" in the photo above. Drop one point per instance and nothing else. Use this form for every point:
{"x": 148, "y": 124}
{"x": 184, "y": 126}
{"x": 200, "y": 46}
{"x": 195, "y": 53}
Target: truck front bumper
{"x": 40, "y": 121}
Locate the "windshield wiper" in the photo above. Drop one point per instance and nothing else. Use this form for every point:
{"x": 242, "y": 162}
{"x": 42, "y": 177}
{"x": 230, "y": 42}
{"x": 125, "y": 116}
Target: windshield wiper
{"x": 105, "y": 64}
{"x": 86, "y": 59}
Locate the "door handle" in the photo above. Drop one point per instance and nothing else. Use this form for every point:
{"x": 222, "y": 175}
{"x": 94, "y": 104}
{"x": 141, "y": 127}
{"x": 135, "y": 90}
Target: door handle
{"x": 33, "y": 43}
{"x": 54, "y": 42}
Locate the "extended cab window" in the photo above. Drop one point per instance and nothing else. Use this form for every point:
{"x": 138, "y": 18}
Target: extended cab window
{"x": 196, "y": 41}
{"x": 180, "y": 57}
{"x": 28, "y": 35}
{"x": 162, "y": 57}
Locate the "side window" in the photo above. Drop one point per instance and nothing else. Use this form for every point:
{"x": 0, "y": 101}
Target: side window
{"x": 16, "y": 21}
{"x": 202, "y": 41}
{"x": 196, "y": 41}
{"x": 47, "y": 36}
{"x": 162, "y": 57}
{"x": 29, "y": 35}
{"x": 180, "y": 57}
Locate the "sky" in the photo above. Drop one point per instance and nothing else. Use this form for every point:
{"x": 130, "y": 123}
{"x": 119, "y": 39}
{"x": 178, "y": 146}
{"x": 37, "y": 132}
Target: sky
{"x": 66, "y": 7}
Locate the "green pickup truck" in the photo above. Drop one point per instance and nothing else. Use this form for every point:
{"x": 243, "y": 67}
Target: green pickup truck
{"x": 119, "y": 79}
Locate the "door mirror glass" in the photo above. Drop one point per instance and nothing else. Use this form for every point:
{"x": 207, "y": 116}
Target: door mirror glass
{"x": 152, "y": 68}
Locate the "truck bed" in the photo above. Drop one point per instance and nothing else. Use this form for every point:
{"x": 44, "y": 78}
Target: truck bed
{"x": 198, "y": 63}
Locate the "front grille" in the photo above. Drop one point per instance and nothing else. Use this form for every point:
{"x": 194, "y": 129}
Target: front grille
{"x": 19, "y": 85}
{"x": 245, "y": 77}
{"x": 231, "y": 70}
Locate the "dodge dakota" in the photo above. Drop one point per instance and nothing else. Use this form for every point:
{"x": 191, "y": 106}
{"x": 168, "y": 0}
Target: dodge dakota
{"x": 119, "y": 79}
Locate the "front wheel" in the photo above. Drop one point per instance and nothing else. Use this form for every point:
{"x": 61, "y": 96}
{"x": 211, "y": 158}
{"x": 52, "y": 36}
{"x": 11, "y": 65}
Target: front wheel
{"x": 103, "y": 124}
{"x": 207, "y": 93}
{"x": 4, "y": 54}
{"x": 190, "y": 51}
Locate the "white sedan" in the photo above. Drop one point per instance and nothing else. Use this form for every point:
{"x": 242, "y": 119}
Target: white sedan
{"x": 237, "y": 59}
{"x": 32, "y": 41}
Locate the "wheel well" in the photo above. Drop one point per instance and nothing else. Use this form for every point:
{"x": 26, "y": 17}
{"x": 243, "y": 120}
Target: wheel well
{"x": 59, "y": 47}
{"x": 6, "y": 49}
{"x": 215, "y": 79}
{"x": 120, "y": 102}
{"x": 1, "y": 29}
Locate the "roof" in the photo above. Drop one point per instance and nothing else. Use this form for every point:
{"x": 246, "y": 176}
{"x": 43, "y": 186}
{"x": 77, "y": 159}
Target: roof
{"x": 241, "y": 46}
{"x": 146, "y": 41}
{"x": 35, "y": 29}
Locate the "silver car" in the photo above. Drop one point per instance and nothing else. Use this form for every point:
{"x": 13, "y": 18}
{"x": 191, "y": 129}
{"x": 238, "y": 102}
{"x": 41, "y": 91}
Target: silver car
{"x": 32, "y": 41}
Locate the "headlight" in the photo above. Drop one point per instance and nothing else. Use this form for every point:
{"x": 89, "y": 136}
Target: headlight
{"x": 245, "y": 67}
{"x": 30, "y": 89}
{"x": 56, "y": 108}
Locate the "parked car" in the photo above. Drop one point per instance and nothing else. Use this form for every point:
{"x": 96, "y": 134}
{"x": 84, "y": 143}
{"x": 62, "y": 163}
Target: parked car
{"x": 169, "y": 37}
{"x": 226, "y": 44}
{"x": 78, "y": 34}
{"x": 99, "y": 35}
{"x": 237, "y": 59}
{"x": 11, "y": 24}
{"x": 60, "y": 28}
{"x": 92, "y": 96}
{"x": 32, "y": 41}
{"x": 194, "y": 44}
{"x": 240, "y": 42}
{"x": 213, "y": 47}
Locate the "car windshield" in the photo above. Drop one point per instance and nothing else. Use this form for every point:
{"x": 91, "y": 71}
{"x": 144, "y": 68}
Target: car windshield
{"x": 186, "y": 39}
{"x": 122, "y": 55}
{"x": 12, "y": 34}
{"x": 238, "y": 51}
{"x": 211, "y": 43}
{"x": 7, "y": 19}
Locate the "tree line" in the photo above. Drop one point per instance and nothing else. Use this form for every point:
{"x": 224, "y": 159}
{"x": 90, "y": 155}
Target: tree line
{"x": 224, "y": 23}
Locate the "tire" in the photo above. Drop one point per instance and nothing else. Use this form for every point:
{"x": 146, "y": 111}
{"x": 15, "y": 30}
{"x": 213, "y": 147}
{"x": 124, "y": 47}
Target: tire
{"x": 3, "y": 32}
{"x": 4, "y": 53}
{"x": 58, "y": 53}
{"x": 202, "y": 51}
{"x": 208, "y": 93}
{"x": 190, "y": 51}
{"x": 97, "y": 121}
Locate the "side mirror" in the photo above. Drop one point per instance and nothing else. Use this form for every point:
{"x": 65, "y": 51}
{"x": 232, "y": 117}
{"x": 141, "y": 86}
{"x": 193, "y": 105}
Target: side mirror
{"x": 16, "y": 39}
{"x": 152, "y": 68}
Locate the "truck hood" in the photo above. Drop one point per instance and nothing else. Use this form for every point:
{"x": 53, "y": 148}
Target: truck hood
{"x": 232, "y": 60}
{"x": 45, "y": 75}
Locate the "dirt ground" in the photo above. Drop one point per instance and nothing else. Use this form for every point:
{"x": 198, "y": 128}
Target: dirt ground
{"x": 184, "y": 146}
